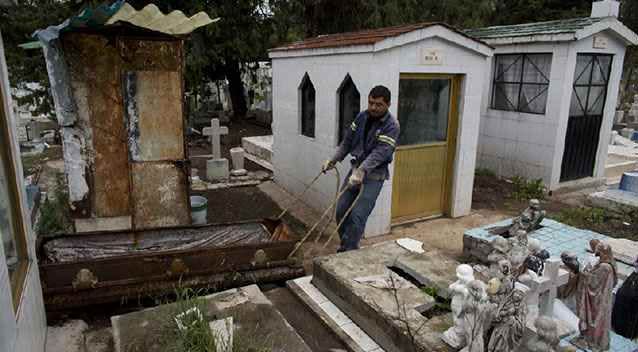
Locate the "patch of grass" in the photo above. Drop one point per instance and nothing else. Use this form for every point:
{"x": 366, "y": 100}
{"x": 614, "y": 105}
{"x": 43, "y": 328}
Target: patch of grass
{"x": 55, "y": 215}
{"x": 484, "y": 172}
{"x": 582, "y": 216}
{"x": 528, "y": 189}
{"x": 196, "y": 335}
{"x": 442, "y": 304}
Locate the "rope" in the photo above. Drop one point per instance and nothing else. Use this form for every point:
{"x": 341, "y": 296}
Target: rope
{"x": 345, "y": 216}
{"x": 298, "y": 198}
{"x": 334, "y": 203}
{"x": 334, "y": 215}
{"x": 305, "y": 237}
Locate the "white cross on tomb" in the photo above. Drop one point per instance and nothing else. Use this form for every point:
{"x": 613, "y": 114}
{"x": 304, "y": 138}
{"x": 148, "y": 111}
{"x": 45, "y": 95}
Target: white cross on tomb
{"x": 215, "y": 131}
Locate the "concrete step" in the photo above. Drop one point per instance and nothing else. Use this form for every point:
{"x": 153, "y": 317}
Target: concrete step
{"x": 355, "y": 339}
{"x": 259, "y": 150}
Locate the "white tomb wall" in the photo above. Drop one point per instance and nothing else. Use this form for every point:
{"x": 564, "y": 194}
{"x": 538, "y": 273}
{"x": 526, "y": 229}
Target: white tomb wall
{"x": 532, "y": 145}
{"x": 297, "y": 159}
{"x": 586, "y": 45}
{"x": 24, "y": 329}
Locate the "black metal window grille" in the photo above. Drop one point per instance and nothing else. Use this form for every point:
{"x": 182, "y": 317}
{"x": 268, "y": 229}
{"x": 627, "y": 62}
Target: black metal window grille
{"x": 307, "y": 92}
{"x": 521, "y": 82}
{"x": 349, "y": 105}
{"x": 590, "y": 84}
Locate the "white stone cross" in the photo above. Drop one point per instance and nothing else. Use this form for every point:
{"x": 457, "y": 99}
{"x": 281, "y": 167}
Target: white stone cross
{"x": 543, "y": 291}
{"x": 215, "y": 132}
{"x": 548, "y": 291}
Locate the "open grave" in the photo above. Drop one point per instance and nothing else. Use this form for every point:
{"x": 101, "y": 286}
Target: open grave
{"x": 375, "y": 298}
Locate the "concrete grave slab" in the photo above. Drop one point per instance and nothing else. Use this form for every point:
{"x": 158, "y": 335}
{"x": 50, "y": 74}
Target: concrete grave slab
{"x": 615, "y": 200}
{"x": 431, "y": 270}
{"x": 254, "y": 317}
{"x": 259, "y": 150}
{"x": 66, "y": 338}
{"x": 624, "y": 250}
{"x": 391, "y": 316}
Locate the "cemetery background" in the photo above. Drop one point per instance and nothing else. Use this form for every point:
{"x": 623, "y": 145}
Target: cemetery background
{"x": 493, "y": 199}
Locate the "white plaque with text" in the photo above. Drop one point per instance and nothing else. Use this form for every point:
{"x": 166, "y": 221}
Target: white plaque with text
{"x": 600, "y": 42}
{"x": 431, "y": 56}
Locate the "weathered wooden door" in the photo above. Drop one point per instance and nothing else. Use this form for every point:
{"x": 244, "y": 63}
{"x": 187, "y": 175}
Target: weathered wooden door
{"x": 152, "y": 89}
{"x": 424, "y": 158}
{"x": 585, "y": 116}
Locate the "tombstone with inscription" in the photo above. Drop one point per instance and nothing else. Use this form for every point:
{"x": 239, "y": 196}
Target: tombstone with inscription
{"x": 217, "y": 167}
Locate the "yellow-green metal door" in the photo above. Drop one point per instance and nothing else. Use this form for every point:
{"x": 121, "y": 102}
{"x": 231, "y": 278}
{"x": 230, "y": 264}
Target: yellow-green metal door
{"x": 424, "y": 157}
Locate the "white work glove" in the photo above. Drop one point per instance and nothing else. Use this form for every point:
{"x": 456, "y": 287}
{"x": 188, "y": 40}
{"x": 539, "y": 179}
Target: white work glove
{"x": 356, "y": 178}
{"x": 328, "y": 165}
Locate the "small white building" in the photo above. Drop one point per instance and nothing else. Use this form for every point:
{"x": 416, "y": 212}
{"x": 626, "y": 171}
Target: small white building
{"x": 22, "y": 317}
{"x": 550, "y": 97}
{"x": 546, "y": 93}
{"x": 436, "y": 76}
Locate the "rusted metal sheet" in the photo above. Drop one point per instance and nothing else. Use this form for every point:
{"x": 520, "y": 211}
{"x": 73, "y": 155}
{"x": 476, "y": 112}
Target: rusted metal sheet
{"x": 160, "y": 193}
{"x": 150, "y": 55}
{"x": 223, "y": 264}
{"x": 94, "y": 64}
{"x": 154, "y": 115}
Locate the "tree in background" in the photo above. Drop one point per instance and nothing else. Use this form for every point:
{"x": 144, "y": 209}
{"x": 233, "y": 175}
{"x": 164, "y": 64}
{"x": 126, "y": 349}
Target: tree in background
{"x": 333, "y": 16}
{"x": 247, "y": 29}
{"x": 525, "y": 11}
{"x": 629, "y": 16}
{"x": 17, "y": 24}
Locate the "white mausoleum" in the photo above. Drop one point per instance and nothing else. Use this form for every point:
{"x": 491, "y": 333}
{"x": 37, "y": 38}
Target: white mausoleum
{"x": 544, "y": 93}
{"x": 22, "y": 317}
{"x": 436, "y": 76}
{"x": 550, "y": 96}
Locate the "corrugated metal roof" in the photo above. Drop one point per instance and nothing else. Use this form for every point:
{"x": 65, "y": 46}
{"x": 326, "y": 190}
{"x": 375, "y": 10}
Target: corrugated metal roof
{"x": 531, "y": 29}
{"x": 150, "y": 18}
{"x": 366, "y": 37}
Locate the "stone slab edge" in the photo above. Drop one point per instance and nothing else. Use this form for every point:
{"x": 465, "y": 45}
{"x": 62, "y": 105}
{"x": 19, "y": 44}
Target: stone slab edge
{"x": 350, "y": 343}
{"x": 259, "y": 161}
{"x": 384, "y": 333}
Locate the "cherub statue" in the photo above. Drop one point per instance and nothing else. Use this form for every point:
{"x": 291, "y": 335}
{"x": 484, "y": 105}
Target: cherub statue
{"x": 455, "y": 336}
{"x": 594, "y": 297}
{"x": 519, "y": 251}
{"x": 506, "y": 282}
{"x": 529, "y": 220}
{"x": 546, "y": 338}
{"x": 475, "y": 313}
{"x": 509, "y": 321}
{"x": 501, "y": 251}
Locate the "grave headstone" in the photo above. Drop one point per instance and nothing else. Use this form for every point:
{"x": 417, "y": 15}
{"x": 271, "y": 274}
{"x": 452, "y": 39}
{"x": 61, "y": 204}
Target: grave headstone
{"x": 215, "y": 131}
{"x": 217, "y": 167}
{"x": 543, "y": 291}
{"x": 237, "y": 155}
{"x": 612, "y": 137}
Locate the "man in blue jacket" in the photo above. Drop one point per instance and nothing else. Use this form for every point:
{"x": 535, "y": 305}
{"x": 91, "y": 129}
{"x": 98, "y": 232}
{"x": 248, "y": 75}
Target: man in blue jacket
{"x": 371, "y": 141}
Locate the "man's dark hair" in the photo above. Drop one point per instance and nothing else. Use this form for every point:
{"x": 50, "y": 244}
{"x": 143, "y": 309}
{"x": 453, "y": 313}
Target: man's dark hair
{"x": 381, "y": 92}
